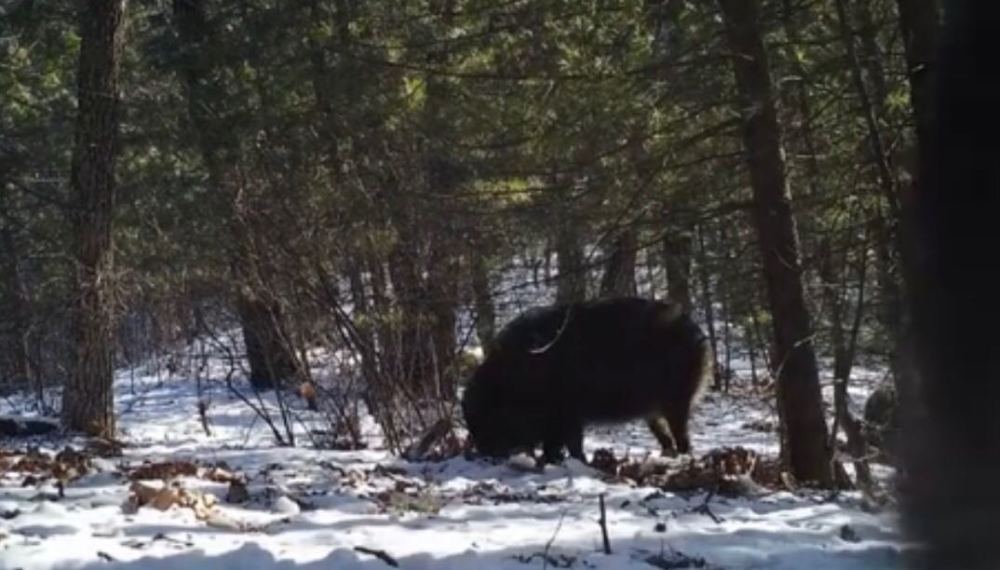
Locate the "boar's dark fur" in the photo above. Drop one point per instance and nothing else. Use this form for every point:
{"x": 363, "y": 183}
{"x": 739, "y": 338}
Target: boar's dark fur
{"x": 554, "y": 370}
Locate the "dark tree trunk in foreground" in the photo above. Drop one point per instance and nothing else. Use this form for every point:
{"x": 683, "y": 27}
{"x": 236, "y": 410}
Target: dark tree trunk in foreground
{"x": 799, "y": 397}
{"x": 950, "y": 497}
{"x": 88, "y": 403}
{"x": 919, "y": 22}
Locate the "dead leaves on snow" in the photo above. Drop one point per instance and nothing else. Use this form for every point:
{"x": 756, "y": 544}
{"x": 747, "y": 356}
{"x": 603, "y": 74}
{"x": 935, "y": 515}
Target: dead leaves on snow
{"x": 164, "y": 497}
{"x": 168, "y": 470}
{"x": 38, "y": 466}
{"x": 728, "y": 471}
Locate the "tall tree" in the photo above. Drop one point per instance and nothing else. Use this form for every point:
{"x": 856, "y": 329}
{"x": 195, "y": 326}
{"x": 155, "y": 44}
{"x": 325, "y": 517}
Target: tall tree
{"x": 951, "y": 502}
{"x": 799, "y": 397}
{"x": 919, "y": 21}
{"x": 215, "y": 120}
{"x": 88, "y": 403}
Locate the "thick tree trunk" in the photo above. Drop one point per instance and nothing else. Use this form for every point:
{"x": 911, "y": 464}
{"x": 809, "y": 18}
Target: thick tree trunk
{"x": 920, "y": 22}
{"x": 619, "y": 268}
{"x": 271, "y": 363}
{"x": 949, "y": 497}
{"x": 88, "y": 403}
{"x": 799, "y": 395}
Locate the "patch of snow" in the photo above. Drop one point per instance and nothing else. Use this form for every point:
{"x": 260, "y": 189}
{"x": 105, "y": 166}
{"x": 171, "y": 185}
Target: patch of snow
{"x": 317, "y": 509}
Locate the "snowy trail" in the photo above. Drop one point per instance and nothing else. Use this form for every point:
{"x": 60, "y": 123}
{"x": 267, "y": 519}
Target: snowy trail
{"x": 461, "y": 514}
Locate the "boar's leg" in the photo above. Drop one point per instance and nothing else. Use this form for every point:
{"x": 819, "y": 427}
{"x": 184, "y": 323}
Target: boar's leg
{"x": 563, "y": 432}
{"x": 552, "y": 450}
{"x": 574, "y": 443}
{"x": 658, "y": 425}
{"x": 677, "y": 417}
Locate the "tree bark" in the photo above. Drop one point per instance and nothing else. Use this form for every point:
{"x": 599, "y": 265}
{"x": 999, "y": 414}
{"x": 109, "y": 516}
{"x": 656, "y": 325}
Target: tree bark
{"x": 708, "y": 304}
{"x": 799, "y": 395}
{"x": 947, "y": 481}
{"x": 619, "y": 269}
{"x": 88, "y": 403}
{"x": 483, "y": 300}
{"x": 572, "y": 280}
{"x": 677, "y": 248}
{"x": 271, "y": 363}
{"x": 920, "y": 22}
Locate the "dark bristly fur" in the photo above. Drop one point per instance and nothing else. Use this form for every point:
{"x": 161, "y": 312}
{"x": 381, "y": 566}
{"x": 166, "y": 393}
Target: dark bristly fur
{"x": 552, "y": 371}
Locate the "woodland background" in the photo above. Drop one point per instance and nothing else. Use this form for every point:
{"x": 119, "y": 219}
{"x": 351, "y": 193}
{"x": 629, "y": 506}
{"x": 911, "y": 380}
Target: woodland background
{"x": 387, "y": 183}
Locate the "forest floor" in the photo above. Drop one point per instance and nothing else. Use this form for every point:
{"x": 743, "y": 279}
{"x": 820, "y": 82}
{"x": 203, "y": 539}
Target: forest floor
{"x": 304, "y": 508}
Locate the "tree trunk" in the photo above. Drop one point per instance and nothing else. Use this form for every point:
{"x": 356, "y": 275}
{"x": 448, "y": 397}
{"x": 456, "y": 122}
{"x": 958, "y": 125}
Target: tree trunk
{"x": 677, "y": 246}
{"x": 271, "y": 363}
{"x": 949, "y": 497}
{"x": 920, "y": 26}
{"x": 572, "y": 279}
{"x": 483, "y": 300}
{"x": 708, "y": 304}
{"x": 20, "y": 314}
{"x": 799, "y": 395}
{"x": 619, "y": 269}
{"x": 88, "y": 403}
{"x": 919, "y": 22}
{"x": 270, "y": 356}
{"x": 442, "y": 277}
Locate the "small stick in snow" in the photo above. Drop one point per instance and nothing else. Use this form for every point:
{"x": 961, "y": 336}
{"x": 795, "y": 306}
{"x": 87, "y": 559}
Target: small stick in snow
{"x": 704, "y": 510}
{"x": 203, "y": 416}
{"x": 604, "y": 526}
{"x": 380, "y": 554}
{"x": 548, "y": 545}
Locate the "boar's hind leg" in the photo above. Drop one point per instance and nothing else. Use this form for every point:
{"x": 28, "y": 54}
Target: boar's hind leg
{"x": 658, "y": 425}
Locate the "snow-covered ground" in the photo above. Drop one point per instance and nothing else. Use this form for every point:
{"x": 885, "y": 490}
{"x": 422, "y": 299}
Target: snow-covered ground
{"x": 313, "y": 509}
